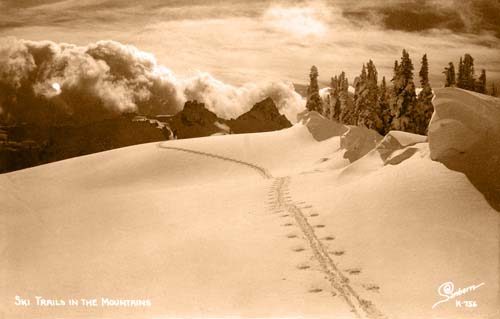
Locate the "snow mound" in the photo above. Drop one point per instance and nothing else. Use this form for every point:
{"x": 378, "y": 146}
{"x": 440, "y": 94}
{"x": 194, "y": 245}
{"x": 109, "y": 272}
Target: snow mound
{"x": 320, "y": 127}
{"x": 461, "y": 120}
{"x": 464, "y": 135}
{"x": 358, "y": 141}
{"x": 397, "y": 146}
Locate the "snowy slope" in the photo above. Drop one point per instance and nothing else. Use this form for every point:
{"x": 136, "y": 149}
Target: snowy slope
{"x": 314, "y": 221}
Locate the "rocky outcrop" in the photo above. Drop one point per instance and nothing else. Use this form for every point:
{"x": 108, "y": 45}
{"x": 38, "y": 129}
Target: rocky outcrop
{"x": 28, "y": 145}
{"x": 263, "y": 117}
{"x": 195, "y": 120}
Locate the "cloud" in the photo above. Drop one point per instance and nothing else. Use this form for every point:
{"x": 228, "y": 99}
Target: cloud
{"x": 461, "y": 16}
{"x": 246, "y": 41}
{"x": 229, "y": 101}
{"x": 104, "y": 78}
{"x": 297, "y": 20}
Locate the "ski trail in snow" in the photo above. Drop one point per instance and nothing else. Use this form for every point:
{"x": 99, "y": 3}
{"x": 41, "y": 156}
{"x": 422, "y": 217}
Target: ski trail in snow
{"x": 261, "y": 170}
{"x": 281, "y": 200}
{"x": 339, "y": 282}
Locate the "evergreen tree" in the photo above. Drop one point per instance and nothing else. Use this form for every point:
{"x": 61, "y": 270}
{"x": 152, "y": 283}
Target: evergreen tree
{"x": 424, "y": 107}
{"x": 359, "y": 91}
{"x": 466, "y": 78}
{"x": 403, "y": 97}
{"x": 481, "y": 83}
{"x": 461, "y": 76}
{"x": 343, "y": 103}
{"x": 348, "y": 114}
{"x": 468, "y": 69}
{"x": 337, "y": 99}
{"x": 332, "y": 99}
{"x": 314, "y": 102}
{"x": 343, "y": 95}
{"x": 493, "y": 91}
{"x": 383, "y": 105}
{"x": 366, "y": 99}
{"x": 450, "y": 75}
{"x": 424, "y": 71}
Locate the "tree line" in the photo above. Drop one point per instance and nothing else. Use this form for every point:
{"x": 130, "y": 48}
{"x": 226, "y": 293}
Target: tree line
{"x": 382, "y": 106}
{"x": 377, "y": 105}
{"x": 465, "y": 78}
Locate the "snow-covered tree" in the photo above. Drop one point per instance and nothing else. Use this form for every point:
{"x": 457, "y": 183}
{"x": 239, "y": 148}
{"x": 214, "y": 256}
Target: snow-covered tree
{"x": 313, "y": 99}
{"x": 403, "y": 97}
{"x": 424, "y": 71}
{"x": 332, "y": 100}
{"x": 347, "y": 109}
{"x": 339, "y": 95}
{"x": 481, "y": 82}
{"x": 383, "y": 105}
{"x": 493, "y": 91}
{"x": 333, "y": 107}
{"x": 466, "y": 76}
{"x": 424, "y": 107}
{"x": 449, "y": 73}
{"x": 366, "y": 99}
{"x": 461, "y": 74}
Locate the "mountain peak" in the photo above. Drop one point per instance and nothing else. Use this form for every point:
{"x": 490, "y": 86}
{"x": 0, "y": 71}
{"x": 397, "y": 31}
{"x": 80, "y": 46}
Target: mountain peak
{"x": 262, "y": 117}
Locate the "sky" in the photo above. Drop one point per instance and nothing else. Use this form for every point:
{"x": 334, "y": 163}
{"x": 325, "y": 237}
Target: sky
{"x": 245, "y": 41}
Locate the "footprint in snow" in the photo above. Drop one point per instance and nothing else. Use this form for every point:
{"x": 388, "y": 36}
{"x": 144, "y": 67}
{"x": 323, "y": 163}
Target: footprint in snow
{"x": 371, "y": 287}
{"x": 315, "y": 290}
{"x": 353, "y": 271}
{"x": 303, "y": 266}
{"x": 329, "y": 238}
{"x": 338, "y": 252}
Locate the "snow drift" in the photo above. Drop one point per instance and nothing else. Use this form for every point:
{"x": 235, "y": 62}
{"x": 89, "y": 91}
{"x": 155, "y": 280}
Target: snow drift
{"x": 464, "y": 134}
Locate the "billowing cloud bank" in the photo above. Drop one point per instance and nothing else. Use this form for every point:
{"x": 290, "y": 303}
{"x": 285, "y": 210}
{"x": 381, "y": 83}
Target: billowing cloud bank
{"x": 107, "y": 77}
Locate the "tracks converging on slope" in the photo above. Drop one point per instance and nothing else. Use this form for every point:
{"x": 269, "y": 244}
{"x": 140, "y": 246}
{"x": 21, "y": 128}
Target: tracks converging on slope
{"x": 339, "y": 282}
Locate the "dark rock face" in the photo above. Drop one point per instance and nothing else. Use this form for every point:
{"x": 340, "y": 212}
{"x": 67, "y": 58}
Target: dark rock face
{"x": 30, "y": 144}
{"x": 195, "y": 121}
{"x": 263, "y": 117}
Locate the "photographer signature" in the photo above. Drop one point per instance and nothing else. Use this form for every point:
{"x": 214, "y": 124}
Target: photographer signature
{"x": 447, "y": 290}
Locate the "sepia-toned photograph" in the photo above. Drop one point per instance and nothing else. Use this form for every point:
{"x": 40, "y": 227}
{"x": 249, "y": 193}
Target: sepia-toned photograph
{"x": 313, "y": 159}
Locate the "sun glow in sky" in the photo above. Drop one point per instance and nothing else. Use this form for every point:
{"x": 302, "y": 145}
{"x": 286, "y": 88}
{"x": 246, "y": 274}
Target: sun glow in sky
{"x": 298, "y": 21}
{"x": 57, "y": 87}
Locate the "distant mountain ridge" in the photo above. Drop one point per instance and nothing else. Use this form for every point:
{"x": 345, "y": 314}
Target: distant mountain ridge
{"x": 31, "y": 144}
{"x": 195, "y": 120}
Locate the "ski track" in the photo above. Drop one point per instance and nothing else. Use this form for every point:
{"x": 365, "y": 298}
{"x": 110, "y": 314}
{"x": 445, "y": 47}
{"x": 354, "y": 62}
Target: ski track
{"x": 261, "y": 170}
{"x": 279, "y": 199}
